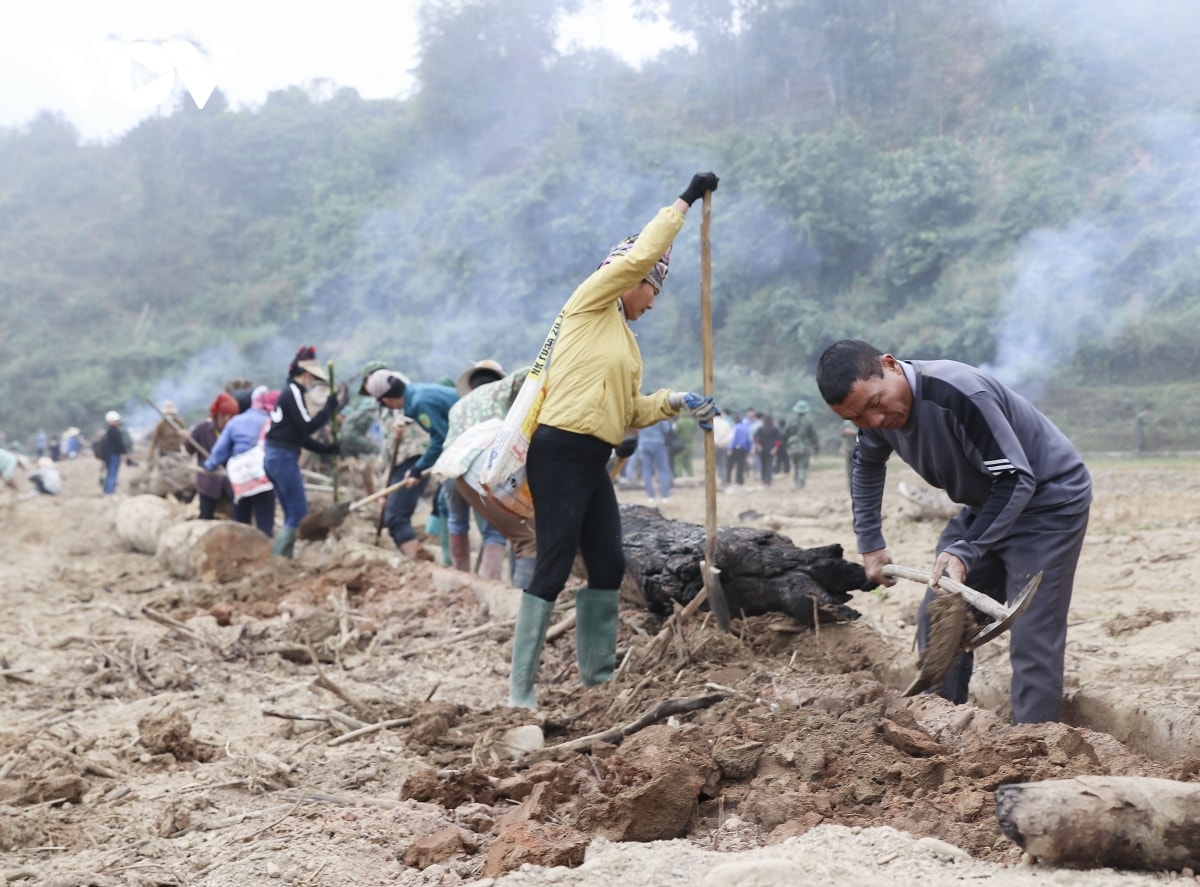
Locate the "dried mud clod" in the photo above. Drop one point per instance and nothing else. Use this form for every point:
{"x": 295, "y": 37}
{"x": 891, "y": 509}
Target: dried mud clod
{"x": 171, "y": 733}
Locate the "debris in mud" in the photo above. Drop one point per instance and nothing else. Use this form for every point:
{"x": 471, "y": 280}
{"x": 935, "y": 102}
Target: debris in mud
{"x": 305, "y": 786}
{"x": 1143, "y": 618}
{"x": 948, "y": 621}
{"x": 648, "y": 787}
{"x": 761, "y": 571}
{"x": 57, "y": 786}
{"x": 171, "y": 733}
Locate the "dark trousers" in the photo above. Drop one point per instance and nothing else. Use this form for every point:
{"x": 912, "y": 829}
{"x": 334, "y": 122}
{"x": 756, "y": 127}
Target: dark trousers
{"x": 208, "y": 506}
{"x": 397, "y": 517}
{"x": 575, "y": 509}
{"x": 1045, "y": 543}
{"x": 736, "y": 466}
{"x": 261, "y": 507}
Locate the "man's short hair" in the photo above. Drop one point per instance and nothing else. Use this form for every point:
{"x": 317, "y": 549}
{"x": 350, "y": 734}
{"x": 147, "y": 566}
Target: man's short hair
{"x": 844, "y": 363}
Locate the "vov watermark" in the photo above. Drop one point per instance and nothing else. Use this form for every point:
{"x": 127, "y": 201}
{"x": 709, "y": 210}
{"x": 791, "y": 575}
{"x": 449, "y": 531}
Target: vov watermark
{"x": 141, "y": 75}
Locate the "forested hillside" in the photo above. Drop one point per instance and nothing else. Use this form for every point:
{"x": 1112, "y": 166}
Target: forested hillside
{"x": 1007, "y": 182}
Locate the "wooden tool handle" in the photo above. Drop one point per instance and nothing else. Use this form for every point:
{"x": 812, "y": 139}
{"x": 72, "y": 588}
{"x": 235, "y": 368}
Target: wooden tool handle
{"x": 203, "y": 452}
{"x": 977, "y": 599}
{"x": 378, "y": 494}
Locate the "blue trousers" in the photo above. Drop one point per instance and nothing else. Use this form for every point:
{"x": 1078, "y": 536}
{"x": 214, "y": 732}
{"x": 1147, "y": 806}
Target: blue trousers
{"x": 656, "y": 460}
{"x": 1046, "y": 543}
{"x": 459, "y": 520}
{"x": 397, "y": 516}
{"x": 112, "y": 465}
{"x": 283, "y": 468}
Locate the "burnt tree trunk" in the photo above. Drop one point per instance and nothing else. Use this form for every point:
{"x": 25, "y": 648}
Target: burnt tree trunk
{"x": 761, "y": 571}
{"x": 1126, "y": 822}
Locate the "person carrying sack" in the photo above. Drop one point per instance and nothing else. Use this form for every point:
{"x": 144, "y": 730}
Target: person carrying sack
{"x": 243, "y": 434}
{"x": 592, "y": 395}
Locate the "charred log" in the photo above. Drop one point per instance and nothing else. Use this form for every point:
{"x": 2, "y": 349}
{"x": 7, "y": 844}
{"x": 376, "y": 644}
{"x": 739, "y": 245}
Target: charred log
{"x": 761, "y": 571}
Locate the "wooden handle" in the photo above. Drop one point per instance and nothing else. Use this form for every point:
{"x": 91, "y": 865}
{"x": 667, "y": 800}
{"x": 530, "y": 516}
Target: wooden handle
{"x": 977, "y": 599}
{"x": 706, "y": 344}
{"x": 378, "y": 494}
{"x": 203, "y": 452}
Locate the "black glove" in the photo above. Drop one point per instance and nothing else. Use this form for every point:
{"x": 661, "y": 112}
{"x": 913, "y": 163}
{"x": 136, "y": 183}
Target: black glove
{"x": 626, "y": 448}
{"x": 701, "y": 182}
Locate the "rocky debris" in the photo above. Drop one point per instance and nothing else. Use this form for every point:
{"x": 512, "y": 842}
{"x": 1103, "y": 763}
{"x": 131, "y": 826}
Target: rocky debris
{"x": 141, "y": 521}
{"x": 57, "y": 786}
{"x": 534, "y": 843}
{"x": 443, "y": 845}
{"x": 212, "y": 551}
{"x": 649, "y": 787}
{"x": 170, "y": 733}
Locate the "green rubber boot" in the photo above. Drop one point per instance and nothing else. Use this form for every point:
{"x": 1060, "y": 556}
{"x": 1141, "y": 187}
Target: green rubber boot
{"x": 596, "y": 634}
{"x": 533, "y": 619}
{"x": 285, "y": 542}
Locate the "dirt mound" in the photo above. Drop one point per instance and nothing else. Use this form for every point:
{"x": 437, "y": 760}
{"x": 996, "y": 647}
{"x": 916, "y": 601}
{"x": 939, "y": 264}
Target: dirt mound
{"x": 315, "y": 722}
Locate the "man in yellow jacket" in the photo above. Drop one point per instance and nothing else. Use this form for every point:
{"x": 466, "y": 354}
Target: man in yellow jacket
{"x": 592, "y": 395}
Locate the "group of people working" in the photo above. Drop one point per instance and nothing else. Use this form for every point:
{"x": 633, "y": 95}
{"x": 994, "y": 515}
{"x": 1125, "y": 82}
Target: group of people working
{"x": 1024, "y": 489}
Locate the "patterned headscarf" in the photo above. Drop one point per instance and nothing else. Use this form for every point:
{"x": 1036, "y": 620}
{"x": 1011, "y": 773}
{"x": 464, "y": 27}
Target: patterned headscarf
{"x": 657, "y": 274}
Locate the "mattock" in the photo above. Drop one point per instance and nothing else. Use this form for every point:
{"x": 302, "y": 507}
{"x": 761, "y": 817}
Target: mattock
{"x": 1002, "y": 615}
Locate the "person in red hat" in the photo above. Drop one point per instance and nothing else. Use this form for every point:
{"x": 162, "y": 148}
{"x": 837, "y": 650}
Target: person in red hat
{"x": 241, "y": 434}
{"x": 200, "y": 441}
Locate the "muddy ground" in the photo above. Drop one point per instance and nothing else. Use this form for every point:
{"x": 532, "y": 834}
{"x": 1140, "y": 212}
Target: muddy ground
{"x": 167, "y": 731}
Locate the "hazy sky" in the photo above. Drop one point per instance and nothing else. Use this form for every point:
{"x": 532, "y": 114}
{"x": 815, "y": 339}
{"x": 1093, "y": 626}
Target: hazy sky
{"x": 49, "y": 58}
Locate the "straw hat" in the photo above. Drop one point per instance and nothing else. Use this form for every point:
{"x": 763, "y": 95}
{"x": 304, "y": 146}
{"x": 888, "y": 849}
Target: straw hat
{"x": 479, "y": 373}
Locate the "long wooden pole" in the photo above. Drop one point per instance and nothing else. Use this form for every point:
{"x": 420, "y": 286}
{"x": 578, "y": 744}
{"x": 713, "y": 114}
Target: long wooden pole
{"x": 712, "y": 579}
{"x": 333, "y": 430}
{"x": 203, "y": 452}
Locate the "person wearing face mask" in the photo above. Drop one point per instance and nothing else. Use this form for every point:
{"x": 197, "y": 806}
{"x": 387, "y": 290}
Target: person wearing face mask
{"x": 1024, "y": 490}
{"x": 592, "y": 396}
{"x": 292, "y": 429}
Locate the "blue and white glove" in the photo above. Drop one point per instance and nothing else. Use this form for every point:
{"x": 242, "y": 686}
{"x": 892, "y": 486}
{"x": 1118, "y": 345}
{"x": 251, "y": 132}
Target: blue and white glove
{"x": 704, "y": 409}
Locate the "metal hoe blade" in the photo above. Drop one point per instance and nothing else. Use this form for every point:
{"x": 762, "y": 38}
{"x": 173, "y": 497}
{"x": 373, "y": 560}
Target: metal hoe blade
{"x": 1002, "y": 615}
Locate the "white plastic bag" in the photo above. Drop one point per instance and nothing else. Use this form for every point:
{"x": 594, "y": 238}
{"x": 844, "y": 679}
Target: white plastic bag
{"x": 503, "y": 472}
{"x": 247, "y": 476}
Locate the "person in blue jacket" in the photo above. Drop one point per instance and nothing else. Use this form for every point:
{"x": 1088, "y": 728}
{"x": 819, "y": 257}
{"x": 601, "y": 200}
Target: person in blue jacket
{"x": 241, "y": 434}
{"x": 428, "y": 405}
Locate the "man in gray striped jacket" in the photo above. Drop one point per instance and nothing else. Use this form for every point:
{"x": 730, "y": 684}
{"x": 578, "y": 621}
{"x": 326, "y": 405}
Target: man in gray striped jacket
{"x": 1023, "y": 486}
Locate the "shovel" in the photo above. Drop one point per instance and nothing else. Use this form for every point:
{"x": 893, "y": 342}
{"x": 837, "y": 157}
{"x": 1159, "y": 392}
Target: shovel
{"x": 316, "y": 524}
{"x": 711, "y": 575}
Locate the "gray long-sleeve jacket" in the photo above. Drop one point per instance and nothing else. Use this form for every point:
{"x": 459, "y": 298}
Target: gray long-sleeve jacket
{"x": 985, "y": 445}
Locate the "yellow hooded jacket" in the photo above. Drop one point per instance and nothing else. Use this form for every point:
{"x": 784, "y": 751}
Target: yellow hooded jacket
{"x": 593, "y": 385}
